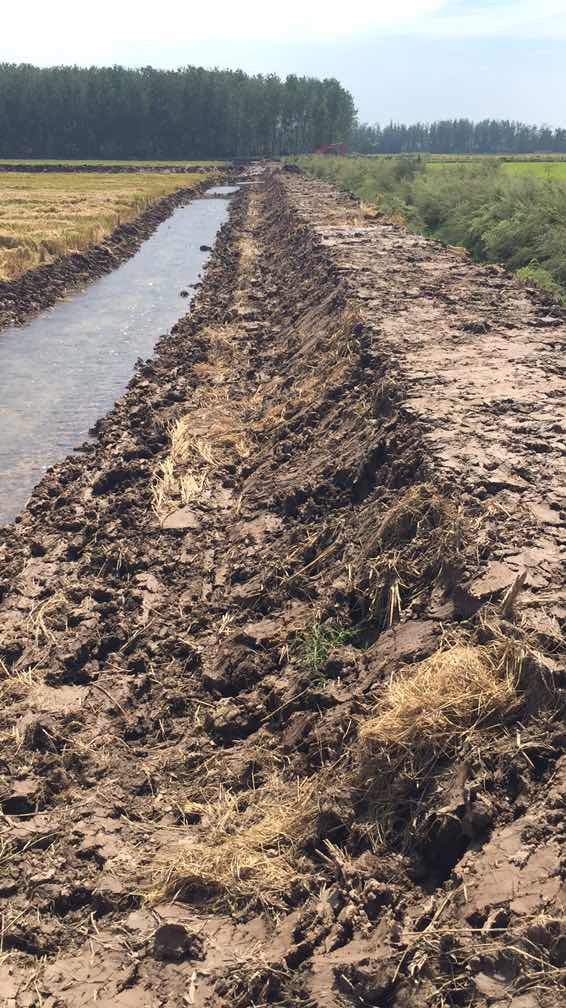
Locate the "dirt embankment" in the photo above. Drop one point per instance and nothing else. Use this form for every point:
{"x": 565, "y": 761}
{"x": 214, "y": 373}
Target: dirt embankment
{"x": 108, "y": 169}
{"x": 282, "y": 651}
{"x": 40, "y": 288}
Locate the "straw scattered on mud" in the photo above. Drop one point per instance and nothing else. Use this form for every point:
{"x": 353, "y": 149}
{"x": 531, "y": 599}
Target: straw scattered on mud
{"x": 282, "y": 651}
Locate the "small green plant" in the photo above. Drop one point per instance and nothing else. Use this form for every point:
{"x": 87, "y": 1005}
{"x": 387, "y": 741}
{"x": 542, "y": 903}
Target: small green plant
{"x": 536, "y": 276}
{"x": 314, "y": 645}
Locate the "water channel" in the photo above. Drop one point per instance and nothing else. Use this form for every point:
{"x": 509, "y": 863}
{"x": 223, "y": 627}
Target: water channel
{"x": 65, "y": 368}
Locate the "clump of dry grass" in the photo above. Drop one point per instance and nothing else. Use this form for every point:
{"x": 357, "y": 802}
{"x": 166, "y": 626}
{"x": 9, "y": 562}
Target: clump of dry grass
{"x": 420, "y": 509}
{"x": 197, "y": 449}
{"x": 248, "y": 847}
{"x": 255, "y": 981}
{"x": 48, "y": 616}
{"x": 430, "y": 712}
{"x": 18, "y": 686}
{"x": 421, "y": 538}
{"x": 437, "y": 702}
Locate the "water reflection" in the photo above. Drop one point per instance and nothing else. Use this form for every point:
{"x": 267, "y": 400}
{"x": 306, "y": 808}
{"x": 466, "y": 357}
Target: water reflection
{"x": 65, "y": 368}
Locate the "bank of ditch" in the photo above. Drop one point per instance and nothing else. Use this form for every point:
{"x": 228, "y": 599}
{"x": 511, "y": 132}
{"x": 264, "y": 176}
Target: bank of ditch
{"x": 109, "y": 167}
{"x": 281, "y": 651}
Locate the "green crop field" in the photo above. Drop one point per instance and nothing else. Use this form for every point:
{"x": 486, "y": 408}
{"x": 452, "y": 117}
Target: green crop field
{"x": 539, "y": 169}
{"x": 511, "y": 166}
{"x": 467, "y": 158}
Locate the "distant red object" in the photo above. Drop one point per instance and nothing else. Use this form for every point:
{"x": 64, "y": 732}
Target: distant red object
{"x": 338, "y": 149}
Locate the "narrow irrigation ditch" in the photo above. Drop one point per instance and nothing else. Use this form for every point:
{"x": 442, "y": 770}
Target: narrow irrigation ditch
{"x": 65, "y": 368}
{"x": 281, "y": 655}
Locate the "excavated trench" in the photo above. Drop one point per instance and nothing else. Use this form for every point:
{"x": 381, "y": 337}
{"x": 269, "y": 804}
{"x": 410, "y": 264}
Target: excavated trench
{"x": 65, "y": 368}
{"x": 281, "y": 656}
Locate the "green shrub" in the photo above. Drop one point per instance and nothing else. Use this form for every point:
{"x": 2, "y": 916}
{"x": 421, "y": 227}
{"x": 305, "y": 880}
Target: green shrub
{"x": 517, "y": 220}
{"x": 535, "y": 276}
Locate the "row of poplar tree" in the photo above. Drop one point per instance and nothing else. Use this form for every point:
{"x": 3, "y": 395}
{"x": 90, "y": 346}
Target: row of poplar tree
{"x": 114, "y": 112}
{"x": 458, "y": 136}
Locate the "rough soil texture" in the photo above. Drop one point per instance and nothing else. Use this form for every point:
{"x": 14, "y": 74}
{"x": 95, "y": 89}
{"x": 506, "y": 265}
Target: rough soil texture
{"x": 40, "y": 288}
{"x": 174, "y": 686}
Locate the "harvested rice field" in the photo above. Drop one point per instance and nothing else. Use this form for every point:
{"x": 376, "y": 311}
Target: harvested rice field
{"x": 282, "y": 650}
{"x": 43, "y": 216}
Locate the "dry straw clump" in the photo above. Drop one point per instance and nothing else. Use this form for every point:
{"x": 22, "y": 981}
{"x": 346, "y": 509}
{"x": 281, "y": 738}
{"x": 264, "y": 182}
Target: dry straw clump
{"x": 420, "y": 538}
{"x": 247, "y": 849}
{"x": 440, "y": 700}
{"x": 421, "y": 509}
{"x": 200, "y": 444}
{"x": 433, "y": 710}
{"x": 48, "y": 616}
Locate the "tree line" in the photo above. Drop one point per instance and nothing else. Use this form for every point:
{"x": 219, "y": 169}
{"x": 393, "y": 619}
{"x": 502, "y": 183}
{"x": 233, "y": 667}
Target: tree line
{"x": 147, "y": 114}
{"x": 458, "y": 136}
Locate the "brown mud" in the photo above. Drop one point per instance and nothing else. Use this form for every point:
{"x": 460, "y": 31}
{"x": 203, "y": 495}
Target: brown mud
{"x": 347, "y": 461}
{"x": 41, "y": 288}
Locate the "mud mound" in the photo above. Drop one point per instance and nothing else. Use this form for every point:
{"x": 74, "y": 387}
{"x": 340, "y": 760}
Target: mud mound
{"x": 288, "y": 581}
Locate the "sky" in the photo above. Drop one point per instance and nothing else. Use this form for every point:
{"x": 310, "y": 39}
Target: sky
{"x": 405, "y": 60}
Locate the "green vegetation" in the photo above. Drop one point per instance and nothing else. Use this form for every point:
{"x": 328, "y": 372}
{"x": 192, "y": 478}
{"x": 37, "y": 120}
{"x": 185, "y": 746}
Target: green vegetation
{"x": 510, "y": 166}
{"x": 518, "y": 219}
{"x": 46, "y": 215}
{"x": 114, "y": 112}
{"x": 505, "y": 158}
{"x": 542, "y": 169}
{"x": 314, "y": 645}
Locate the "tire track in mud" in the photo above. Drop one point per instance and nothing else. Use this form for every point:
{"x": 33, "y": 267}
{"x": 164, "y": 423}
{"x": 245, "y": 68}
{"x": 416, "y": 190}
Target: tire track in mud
{"x": 197, "y": 614}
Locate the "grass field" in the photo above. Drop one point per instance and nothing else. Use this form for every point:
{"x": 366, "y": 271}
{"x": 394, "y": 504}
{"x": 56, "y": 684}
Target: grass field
{"x": 511, "y": 158}
{"x": 529, "y": 168}
{"x": 44, "y": 216}
{"x": 540, "y": 169}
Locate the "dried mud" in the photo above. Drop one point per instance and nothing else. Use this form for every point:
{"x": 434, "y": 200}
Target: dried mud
{"x": 369, "y": 470}
{"x": 41, "y": 288}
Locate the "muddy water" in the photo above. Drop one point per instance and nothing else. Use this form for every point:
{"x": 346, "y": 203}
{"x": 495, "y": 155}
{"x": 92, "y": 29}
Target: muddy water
{"x": 66, "y": 368}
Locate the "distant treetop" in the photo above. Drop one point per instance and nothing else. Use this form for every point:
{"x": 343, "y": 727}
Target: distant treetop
{"x": 458, "y": 136}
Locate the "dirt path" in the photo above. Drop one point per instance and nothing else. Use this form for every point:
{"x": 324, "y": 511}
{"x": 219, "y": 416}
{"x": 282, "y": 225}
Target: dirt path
{"x": 322, "y": 485}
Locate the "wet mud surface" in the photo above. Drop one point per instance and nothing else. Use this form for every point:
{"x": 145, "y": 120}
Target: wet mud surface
{"x": 347, "y": 460}
{"x": 41, "y": 288}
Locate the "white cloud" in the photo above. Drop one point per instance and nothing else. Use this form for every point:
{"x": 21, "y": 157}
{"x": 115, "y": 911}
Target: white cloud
{"x": 170, "y": 32}
{"x": 510, "y": 19}
{"x": 242, "y": 20}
